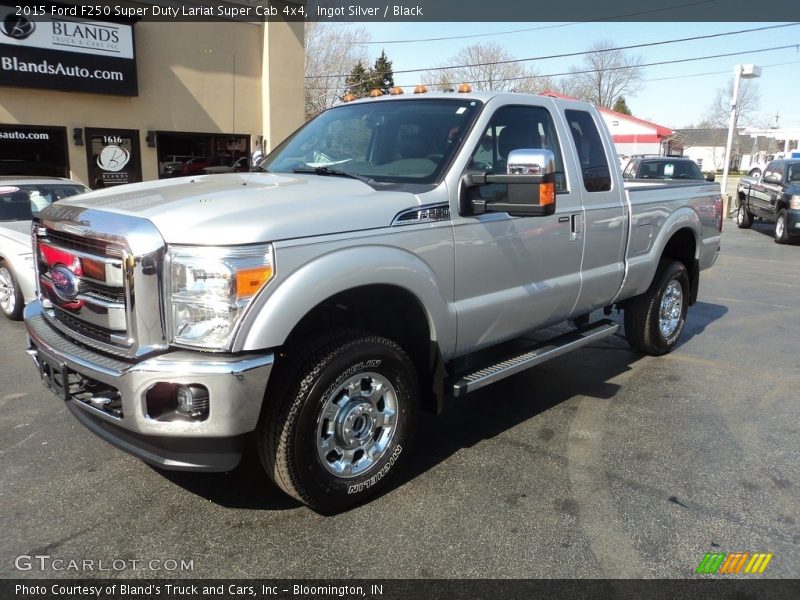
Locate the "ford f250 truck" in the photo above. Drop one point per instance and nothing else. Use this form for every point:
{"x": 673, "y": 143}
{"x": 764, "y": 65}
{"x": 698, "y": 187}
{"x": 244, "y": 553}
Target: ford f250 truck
{"x": 384, "y": 251}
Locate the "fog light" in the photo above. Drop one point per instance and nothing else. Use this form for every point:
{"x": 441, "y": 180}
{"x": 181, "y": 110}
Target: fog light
{"x": 192, "y": 401}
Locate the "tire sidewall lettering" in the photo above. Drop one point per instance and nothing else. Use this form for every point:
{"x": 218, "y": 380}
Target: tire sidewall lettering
{"x": 378, "y": 360}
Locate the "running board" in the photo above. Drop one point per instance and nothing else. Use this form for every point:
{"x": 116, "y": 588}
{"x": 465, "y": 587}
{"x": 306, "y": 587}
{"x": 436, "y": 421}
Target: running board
{"x": 544, "y": 351}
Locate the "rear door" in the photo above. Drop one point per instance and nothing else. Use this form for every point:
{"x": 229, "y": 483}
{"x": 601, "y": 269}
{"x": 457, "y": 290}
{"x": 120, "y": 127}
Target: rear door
{"x": 604, "y": 226}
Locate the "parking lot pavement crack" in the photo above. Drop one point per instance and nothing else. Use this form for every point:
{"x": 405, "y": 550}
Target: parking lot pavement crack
{"x": 612, "y": 547}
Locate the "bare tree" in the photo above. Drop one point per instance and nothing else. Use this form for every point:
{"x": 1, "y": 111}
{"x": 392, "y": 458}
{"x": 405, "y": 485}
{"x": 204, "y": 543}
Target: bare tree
{"x": 604, "y": 75}
{"x": 485, "y": 67}
{"x": 331, "y": 49}
{"x": 719, "y": 111}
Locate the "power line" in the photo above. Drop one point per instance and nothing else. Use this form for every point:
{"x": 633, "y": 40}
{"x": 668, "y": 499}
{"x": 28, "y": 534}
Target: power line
{"x": 783, "y": 64}
{"x": 652, "y": 64}
{"x": 572, "y": 54}
{"x": 512, "y": 31}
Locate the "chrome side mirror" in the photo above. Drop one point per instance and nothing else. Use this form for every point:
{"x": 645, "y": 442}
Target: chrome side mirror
{"x": 531, "y": 161}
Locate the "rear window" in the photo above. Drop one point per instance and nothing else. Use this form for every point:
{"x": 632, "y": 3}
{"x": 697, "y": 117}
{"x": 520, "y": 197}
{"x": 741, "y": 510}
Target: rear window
{"x": 669, "y": 169}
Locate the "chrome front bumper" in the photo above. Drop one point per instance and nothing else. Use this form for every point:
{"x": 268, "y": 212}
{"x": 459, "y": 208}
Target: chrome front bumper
{"x": 236, "y": 386}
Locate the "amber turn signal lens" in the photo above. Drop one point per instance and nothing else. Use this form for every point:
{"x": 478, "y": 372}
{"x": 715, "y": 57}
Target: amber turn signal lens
{"x": 547, "y": 194}
{"x": 249, "y": 281}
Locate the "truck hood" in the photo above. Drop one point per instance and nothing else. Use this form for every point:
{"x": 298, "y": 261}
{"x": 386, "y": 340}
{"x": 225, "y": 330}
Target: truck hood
{"x": 18, "y": 232}
{"x": 250, "y": 207}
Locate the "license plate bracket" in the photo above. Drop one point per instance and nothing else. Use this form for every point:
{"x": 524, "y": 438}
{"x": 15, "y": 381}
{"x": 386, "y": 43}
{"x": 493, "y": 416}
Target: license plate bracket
{"x": 55, "y": 376}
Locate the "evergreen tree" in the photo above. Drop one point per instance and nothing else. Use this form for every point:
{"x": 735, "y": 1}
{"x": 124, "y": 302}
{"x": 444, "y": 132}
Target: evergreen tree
{"x": 359, "y": 81}
{"x": 621, "y": 107}
{"x": 382, "y": 75}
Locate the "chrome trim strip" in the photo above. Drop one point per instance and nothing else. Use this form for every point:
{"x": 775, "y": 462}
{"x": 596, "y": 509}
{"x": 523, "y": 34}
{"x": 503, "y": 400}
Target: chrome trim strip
{"x": 116, "y": 350}
{"x": 96, "y": 411}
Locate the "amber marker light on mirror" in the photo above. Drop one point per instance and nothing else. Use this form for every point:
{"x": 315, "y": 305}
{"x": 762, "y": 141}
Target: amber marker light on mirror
{"x": 547, "y": 194}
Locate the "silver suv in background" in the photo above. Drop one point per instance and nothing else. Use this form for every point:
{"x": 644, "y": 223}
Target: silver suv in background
{"x": 21, "y": 198}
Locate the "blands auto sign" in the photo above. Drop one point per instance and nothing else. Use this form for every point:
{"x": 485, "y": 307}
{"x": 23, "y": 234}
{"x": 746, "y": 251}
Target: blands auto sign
{"x": 66, "y": 54}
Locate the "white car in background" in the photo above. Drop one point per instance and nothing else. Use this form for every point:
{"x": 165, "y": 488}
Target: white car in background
{"x": 20, "y": 199}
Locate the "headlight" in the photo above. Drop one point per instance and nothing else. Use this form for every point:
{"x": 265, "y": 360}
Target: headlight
{"x": 794, "y": 202}
{"x": 210, "y": 288}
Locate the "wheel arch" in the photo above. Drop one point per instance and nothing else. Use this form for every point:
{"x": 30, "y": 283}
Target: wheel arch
{"x": 678, "y": 239}
{"x": 380, "y": 290}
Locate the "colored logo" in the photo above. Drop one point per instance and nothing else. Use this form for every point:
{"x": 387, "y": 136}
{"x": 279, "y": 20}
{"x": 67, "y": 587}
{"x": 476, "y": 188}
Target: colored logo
{"x": 734, "y": 563}
{"x": 113, "y": 158}
{"x": 65, "y": 284}
{"x": 17, "y": 27}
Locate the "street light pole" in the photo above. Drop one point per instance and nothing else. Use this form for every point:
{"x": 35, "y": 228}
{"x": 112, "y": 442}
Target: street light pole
{"x": 739, "y": 72}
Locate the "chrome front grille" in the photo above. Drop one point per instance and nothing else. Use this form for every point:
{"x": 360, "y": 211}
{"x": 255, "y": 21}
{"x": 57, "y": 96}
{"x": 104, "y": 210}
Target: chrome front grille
{"x": 86, "y": 287}
{"x": 100, "y": 279}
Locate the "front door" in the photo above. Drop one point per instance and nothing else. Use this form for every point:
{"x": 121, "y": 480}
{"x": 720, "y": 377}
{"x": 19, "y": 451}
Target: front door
{"x": 516, "y": 273}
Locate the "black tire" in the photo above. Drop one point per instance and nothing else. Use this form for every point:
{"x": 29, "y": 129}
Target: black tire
{"x": 291, "y": 434}
{"x": 11, "y": 301}
{"x": 744, "y": 218}
{"x": 781, "y": 232}
{"x": 643, "y": 313}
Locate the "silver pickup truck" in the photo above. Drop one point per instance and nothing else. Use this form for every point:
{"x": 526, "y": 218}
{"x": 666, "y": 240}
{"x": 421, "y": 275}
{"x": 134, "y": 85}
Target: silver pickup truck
{"x": 389, "y": 254}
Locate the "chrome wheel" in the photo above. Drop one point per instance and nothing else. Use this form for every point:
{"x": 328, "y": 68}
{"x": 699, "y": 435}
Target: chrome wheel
{"x": 671, "y": 309}
{"x": 356, "y": 424}
{"x": 740, "y": 215}
{"x": 8, "y": 295}
{"x": 780, "y": 227}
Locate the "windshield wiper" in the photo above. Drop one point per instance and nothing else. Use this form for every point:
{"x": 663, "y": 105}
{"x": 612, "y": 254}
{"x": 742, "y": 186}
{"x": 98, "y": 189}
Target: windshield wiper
{"x": 327, "y": 171}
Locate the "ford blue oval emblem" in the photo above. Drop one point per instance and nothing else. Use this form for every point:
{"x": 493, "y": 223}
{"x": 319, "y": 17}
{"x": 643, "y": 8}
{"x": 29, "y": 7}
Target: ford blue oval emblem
{"x": 65, "y": 283}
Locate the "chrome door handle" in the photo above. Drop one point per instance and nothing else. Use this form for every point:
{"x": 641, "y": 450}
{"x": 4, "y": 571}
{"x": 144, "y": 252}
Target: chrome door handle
{"x": 576, "y": 227}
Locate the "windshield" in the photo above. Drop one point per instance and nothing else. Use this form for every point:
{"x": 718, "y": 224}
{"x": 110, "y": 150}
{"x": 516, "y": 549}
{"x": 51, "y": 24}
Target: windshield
{"x": 396, "y": 141}
{"x": 21, "y": 202}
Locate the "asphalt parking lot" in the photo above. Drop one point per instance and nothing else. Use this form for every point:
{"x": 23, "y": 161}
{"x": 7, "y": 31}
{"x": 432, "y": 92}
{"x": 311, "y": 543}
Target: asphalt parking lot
{"x": 600, "y": 464}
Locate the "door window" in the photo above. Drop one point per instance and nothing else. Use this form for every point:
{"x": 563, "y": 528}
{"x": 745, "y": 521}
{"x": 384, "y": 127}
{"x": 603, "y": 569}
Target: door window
{"x": 591, "y": 153}
{"x": 516, "y": 128}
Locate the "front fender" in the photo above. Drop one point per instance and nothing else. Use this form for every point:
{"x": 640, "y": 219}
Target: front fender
{"x": 272, "y": 319}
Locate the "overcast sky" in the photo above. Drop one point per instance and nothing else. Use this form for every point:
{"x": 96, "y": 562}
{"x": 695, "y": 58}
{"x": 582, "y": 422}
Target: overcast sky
{"x": 672, "y": 95}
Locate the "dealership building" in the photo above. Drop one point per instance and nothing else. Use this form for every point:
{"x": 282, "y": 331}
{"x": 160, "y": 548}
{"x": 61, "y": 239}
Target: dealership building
{"x": 110, "y": 101}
